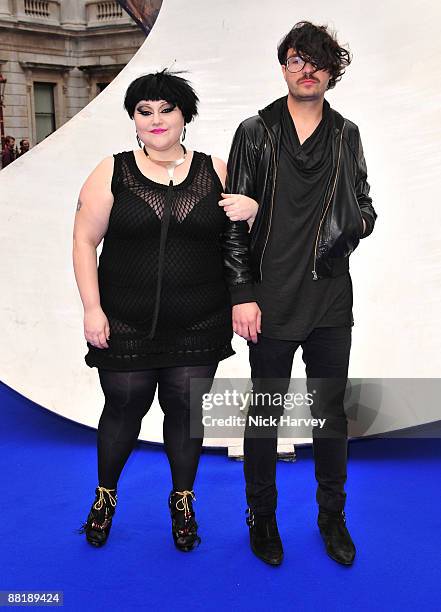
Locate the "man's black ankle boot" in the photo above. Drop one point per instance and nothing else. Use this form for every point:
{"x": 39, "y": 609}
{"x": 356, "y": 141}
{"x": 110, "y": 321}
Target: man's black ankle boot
{"x": 264, "y": 537}
{"x": 98, "y": 523}
{"x": 338, "y": 542}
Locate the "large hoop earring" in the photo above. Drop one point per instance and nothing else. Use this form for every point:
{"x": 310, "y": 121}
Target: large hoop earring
{"x": 139, "y": 140}
{"x": 184, "y": 131}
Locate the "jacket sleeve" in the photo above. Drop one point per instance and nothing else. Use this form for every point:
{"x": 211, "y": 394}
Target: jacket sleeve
{"x": 362, "y": 189}
{"x": 241, "y": 172}
{"x": 236, "y": 256}
{"x": 242, "y": 165}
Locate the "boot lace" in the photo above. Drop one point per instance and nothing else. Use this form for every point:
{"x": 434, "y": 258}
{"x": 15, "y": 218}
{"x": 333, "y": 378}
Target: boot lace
{"x": 96, "y": 520}
{"x": 182, "y": 504}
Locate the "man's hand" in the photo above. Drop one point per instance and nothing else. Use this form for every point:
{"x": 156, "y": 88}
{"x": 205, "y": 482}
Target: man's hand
{"x": 247, "y": 320}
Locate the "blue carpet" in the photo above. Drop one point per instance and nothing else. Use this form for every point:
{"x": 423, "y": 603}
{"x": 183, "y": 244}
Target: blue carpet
{"x": 48, "y": 465}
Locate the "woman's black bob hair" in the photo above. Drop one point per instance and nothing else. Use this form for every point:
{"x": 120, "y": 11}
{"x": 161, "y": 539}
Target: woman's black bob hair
{"x": 166, "y": 86}
{"x": 316, "y": 45}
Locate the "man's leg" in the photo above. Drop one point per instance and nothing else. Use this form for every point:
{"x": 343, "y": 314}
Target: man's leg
{"x": 270, "y": 361}
{"x": 326, "y": 355}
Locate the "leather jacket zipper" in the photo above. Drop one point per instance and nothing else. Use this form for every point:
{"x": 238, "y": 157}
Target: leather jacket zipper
{"x": 314, "y": 272}
{"x": 272, "y": 198}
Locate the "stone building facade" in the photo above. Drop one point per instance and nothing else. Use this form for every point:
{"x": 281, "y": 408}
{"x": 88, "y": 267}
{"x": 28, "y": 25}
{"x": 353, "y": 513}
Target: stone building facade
{"x": 57, "y": 55}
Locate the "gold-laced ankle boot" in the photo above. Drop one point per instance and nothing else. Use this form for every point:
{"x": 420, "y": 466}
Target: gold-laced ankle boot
{"x": 184, "y": 526}
{"x": 98, "y": 524}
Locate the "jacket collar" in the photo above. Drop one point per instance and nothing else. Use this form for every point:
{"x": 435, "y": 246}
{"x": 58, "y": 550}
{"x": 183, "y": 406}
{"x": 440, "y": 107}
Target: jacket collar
{"x": 271, "y": 115}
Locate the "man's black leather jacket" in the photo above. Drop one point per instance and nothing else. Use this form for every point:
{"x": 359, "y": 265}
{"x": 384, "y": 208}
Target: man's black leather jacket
{"x": 252, "y": 170}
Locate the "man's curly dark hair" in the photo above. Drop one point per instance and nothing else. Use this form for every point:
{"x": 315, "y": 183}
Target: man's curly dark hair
{"x": 316, "y": 45}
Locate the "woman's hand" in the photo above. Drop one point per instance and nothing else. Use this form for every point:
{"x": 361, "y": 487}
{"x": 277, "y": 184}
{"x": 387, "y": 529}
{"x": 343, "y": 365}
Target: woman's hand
{"x": 96, "y": 327}
{"x": 239, "y": 207}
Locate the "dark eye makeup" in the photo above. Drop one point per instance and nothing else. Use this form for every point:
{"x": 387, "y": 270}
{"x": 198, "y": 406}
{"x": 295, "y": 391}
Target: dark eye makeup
{"x": 145, "y": 112}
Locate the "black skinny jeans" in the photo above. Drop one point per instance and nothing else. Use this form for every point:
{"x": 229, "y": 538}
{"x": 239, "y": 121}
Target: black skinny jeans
{"x": 128, "y": 397}
{"x": 326, "y": 355}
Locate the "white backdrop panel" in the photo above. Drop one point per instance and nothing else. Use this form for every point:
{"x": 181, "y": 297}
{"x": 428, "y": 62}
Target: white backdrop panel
{"x": 391, "y": 90}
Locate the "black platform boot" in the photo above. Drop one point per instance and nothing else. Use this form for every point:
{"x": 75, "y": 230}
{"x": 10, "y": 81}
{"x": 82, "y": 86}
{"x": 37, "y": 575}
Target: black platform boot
{"x": 184, "y": 526}
{"x": 264, "y": 537}
{"x": 338, "y": 542}
{"x": 98, "y": 524}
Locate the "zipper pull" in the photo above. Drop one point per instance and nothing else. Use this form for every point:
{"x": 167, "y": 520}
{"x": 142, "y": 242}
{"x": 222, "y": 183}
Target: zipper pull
{"x": 314, "y": 275}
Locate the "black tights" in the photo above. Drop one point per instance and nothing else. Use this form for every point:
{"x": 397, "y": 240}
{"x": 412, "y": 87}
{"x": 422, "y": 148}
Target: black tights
{"x": 128, "y": 397}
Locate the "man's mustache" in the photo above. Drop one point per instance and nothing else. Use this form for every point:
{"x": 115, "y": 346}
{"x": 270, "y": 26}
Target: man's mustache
{"x": 307, "y": 78}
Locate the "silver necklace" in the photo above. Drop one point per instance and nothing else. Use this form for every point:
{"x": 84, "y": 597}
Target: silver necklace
{"x": 169, "y": 165}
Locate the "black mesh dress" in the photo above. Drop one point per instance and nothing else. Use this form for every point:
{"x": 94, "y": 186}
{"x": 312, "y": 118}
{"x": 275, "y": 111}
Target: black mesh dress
{"x": 160, "y": 273}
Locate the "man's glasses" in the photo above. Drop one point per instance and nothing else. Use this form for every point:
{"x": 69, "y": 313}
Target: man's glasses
{"x": 296, "y": 64}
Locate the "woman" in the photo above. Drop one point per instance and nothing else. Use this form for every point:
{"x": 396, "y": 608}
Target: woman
{"x": 157, "y": 310}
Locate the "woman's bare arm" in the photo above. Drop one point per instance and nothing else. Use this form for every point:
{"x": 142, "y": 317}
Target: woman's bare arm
{"x": 91, "y": 222}
{"x": 237, "y": 207}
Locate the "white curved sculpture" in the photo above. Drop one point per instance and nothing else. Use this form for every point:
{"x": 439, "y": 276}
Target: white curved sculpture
{"x": 229, "y": 50}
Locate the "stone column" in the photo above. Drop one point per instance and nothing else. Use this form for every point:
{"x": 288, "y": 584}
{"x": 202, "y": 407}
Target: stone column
{"x": 73, "y": 15}
{"x": 4, "y": 9}
{"x": 30, "y": 106}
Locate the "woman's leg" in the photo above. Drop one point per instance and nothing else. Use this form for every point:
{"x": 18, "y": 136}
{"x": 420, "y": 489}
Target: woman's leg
{"x": 183, "y": 451}
{"x": 128, "y": 397}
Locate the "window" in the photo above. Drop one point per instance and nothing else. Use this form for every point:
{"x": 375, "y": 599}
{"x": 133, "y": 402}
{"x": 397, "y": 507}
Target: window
{"x": 44, "y": 110}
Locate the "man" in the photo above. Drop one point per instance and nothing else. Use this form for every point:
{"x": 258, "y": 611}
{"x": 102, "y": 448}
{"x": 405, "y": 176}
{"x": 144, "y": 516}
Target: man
{"x": 304, "y": 165}
{"x": 24, "y": 147}
{"x": 8, "y": 153}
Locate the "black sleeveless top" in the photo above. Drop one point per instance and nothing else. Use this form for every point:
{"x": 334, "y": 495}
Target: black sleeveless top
{"x": 160, "y": 273}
